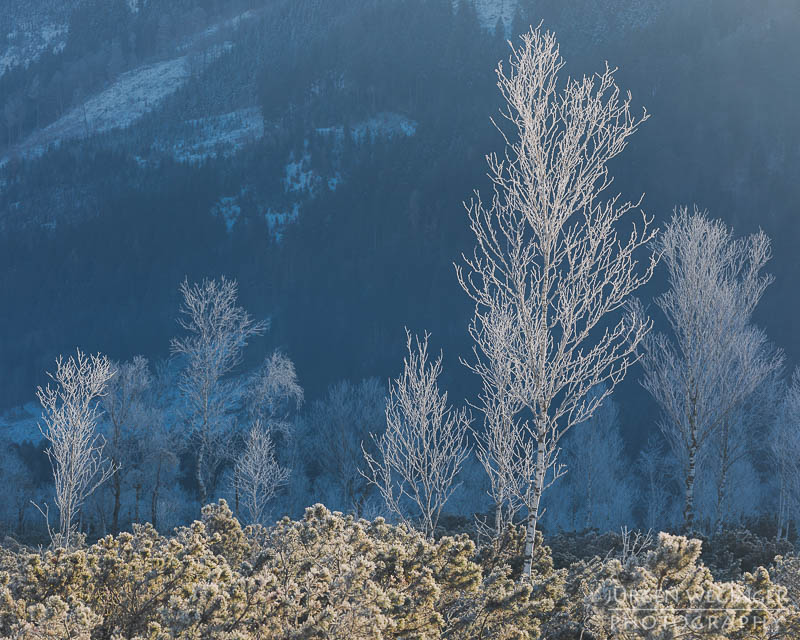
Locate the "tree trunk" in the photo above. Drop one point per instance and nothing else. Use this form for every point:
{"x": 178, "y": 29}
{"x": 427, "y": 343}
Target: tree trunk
{"x": 138, "y": 496}
{"x": 201, "y": 483}
{"x": 117, "y": 495}
{"x": 688, "y": 510}
{"x": 154, "y": 497}
{"x": 533, "y": 512}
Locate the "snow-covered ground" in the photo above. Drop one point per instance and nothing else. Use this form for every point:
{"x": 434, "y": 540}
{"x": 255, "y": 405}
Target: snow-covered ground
{"x": 490, "y": 10}
{"x": 138, "y": 91}
{"x": 28, "y": 42}
{"x": 299, "y": 176}
{"x": 214, "y": 136}
{"x": 622, "y": 15}
{"x": 128, "y": 99}
{"x": 227, "y": 209}
{"x": 384, "y": 125}
{"x": 279, "y": 219}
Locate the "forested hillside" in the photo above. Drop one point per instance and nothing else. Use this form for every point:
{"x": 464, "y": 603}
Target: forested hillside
{"x": 251, "y": 125}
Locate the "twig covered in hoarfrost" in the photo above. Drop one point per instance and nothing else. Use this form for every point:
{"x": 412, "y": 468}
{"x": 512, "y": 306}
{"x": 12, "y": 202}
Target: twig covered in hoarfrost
{"x": 425, "y": 443}
{"x": 70, "y": 415}
{"x": 548, "y": 270}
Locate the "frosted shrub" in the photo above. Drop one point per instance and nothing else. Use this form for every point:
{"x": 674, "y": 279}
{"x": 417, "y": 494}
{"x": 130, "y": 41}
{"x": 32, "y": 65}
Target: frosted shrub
{"x": 325, "y": 576}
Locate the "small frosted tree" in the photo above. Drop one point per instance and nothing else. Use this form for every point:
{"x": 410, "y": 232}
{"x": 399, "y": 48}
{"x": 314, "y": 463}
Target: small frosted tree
{"x": 736, "y": 445}
{"x": 274, "y": 391}
{"x": 70, "y": 414}
{"x": 273, "y": 397}
{"x": 257, "y": 474}
{"x": 424, "y": 446}
{"x": 717, "y": 359}
{"x": 218, "y": 330}
{"x": 549, "y": 270}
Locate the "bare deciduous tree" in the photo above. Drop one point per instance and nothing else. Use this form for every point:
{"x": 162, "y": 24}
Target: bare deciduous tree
{"x": 274, "y": 393}
{"x": 784, "y": 451}
{"x": 70, "y": 414}
{"x": 257, "y": 475}
{"x": 597, "y": 492}
{"x": 549, "y": 268}
{"x": 654, "y": 468}
{"x": 218, "y": 332}
{"x": 717, "y": 358}
{"x": 734, "y": 444}
{"x": 424, "y": 445}
{"x": 338, "y": 424}
{"x": 126, "y": 417}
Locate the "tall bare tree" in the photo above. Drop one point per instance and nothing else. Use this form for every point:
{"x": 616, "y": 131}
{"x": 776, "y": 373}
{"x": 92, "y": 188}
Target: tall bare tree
{"x": 549, "y": 268}
{"x": 70, "y": 415}
{"x": 337, "y": 425}
{"x": 784, "y": 452}
{"x": 716, "y": 359}
{"x": 273, "y": 395}
{"x": 218, "y": 331}
{"x": 123, "y": 404}
{"x": 425, "y": 443}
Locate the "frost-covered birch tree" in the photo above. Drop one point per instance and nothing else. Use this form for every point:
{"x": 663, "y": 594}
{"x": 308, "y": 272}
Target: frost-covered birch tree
{"x": 123, "y": 404}
{"x": 784, "y": 452}
{"x": 425, "y": 443}
{"x": 550, "y": 273}
{"x": 734, "y": 449}
{"x": 218, "y": 330}
{"x": 70, "y": 414}
{"x": 656, "y": 473}
{"x": 716, "y": 359}
{"x": 273, "y": 395}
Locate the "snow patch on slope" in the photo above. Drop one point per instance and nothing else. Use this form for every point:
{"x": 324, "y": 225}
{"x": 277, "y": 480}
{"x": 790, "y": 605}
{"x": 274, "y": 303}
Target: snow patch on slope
{"x": 276, "y": 220}
{"x": 26, "y": 44}
{"x": 490, "y": 10}
{"x": 227, "y": 209}
{"x": 385, "y": 125}
{"x": 216, "y": 136}
{"x": 129, "y": 98}
{"x": 299, "y": 176}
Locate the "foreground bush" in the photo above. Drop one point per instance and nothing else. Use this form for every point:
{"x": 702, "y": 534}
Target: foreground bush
{"x": 335, "y": 577}
{"x": 326, "y": 576}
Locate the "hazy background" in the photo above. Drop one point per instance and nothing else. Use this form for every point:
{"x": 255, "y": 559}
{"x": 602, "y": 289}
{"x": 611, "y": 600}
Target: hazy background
{"x": 319, "y": 152}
